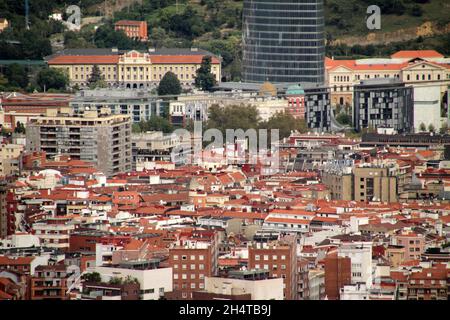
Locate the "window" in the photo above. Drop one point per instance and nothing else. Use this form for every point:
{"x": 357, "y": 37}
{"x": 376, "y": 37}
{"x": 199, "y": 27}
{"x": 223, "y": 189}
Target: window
{"x": 201, "y": 267}
{"x": 175, "y": 276}
{"x": 184, "y": 266}
{"x": 175, "y": 266}
{"x": 274, "y": 257}
{"x": 192, "y": 266}
{"x": 201, "y": 276}
{"x": 283, "y": 267}
{"x": 183, "y": 257}
{"x": 192, "y": 257}
{"x": 184, "y": 276}
{"x": 192, "y": 276}
{"x": 283, "y": 257}
{"x": 257, "y": 257}
{"x": 266, "y": 257}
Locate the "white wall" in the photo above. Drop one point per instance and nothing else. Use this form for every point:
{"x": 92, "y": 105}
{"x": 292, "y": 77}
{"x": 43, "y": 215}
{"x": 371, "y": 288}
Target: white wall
{"x": 427, "y": 106}
{"x": 259, "y": 289}
{"x": 148, "y": 279}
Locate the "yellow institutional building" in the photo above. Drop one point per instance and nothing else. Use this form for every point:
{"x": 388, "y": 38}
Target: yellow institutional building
{"x": 133, "y": 69}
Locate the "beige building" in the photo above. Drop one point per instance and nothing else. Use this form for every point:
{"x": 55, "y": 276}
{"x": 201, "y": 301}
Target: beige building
{"x": 133, "y": 69}
{"x": 10, "y": 159}
{"x": 101, "y": 138}
{"x": 412, "y": 67}
{"x": 371, "y": 183}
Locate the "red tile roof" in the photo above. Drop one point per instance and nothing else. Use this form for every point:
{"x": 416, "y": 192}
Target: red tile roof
{"x": 106, "y": 59}
{"x": 417, "y": 54}
{"x": 181, "y": 59}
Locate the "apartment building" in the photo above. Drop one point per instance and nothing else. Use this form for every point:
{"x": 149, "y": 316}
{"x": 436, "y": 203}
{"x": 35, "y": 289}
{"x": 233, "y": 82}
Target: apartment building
{"x": 279, "y": 257}
{"x": 414, "y": 67}
{"x": 18, "y": 107}
{"x": 362, "y": 183}
{"x": 154, "y": 279}
{"x": 384, "y": 103}
{"x": 193, "y": 258}
{"x": 140, "y": 105}
{"x": 50, "y": 282}
{"x": 133, "y": 29}
{"x": 413, "y": 243}
{"x": 360, "y": 254}
{"x": 337, "y": 274}
{"x": 10, "y": 159}
{"x": 101, "y": 138}
{"x": 133, "y": 69}
{"x": 54, "y": 232}
{"x": 242, "y": 285}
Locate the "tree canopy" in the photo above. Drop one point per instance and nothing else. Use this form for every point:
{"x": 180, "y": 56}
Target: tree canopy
{"x": 205, "y": 80}
{"x": 50, "y": 78}
{"x": 169, "y": 85}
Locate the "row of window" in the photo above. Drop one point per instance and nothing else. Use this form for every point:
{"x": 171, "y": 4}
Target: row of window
{"x": 266, "y": 257}
{"x": 184, "y": 276}
{"x": 192, "y": 257}
{"x": 192, "y": 266}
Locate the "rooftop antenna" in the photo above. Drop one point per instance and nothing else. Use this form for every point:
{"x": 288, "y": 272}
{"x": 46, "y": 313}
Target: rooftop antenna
{"x": 27, "y": 13}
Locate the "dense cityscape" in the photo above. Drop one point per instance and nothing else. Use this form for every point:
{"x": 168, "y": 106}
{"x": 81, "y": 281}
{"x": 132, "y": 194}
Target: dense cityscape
{"x": 140, "y": 170}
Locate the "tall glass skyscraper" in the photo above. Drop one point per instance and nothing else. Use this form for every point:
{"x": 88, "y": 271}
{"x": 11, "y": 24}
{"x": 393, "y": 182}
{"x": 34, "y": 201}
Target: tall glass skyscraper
{"x": 283, "y": 41}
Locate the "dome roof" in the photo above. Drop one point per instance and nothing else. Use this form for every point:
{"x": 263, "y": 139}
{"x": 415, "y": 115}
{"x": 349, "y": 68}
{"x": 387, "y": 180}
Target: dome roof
{"x": 295, "y": 89}
{"x": 267, "y": 89}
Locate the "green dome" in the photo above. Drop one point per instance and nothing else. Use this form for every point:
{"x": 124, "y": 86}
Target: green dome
{"x": 295, "y": 89}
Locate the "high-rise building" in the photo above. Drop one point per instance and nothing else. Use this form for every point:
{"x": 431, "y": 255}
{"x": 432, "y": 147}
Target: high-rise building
{"x": 283, "y": 42}
{"x": 98, "y": 137}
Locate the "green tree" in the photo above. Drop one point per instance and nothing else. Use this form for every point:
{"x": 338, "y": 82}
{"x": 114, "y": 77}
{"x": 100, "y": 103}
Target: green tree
{"x": 92, "y": 277}
{"x": 169, "y": 85}
{"x": 205, "y": 80}
{"x": 20, "y": 128}
{"x": 233, "y": 117}
{"x": 285, "y": 123}
{"x": 17, "y": 75}
{"x": 431, "y": 128}
{"x": 50, "y": 78}
{"x": 96, "y": 78}
{"x": 344, "y": 119}
{"x": 422, "y": 127}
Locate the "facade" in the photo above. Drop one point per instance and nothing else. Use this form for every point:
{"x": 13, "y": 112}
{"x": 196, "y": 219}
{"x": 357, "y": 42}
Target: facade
{"x": 280, "y": 259}
{"x": 54, "y": 233}
{"x": 154, "y": 281}
{"x": 416, "y": 67}
{"x": 318, "y": 109}
{"x": 50, "y": 283}
{"x": 383, "y": 103}
{"x": 133, "y": 69}
{"x": 103, "y": 139}
{"x": 136, "y": 30}
{"x": 18, "y": 107}
{"x": 138, "y": 104}
{"x": 4, "y": 216}
{"x": 283, "y": 43}
{"x": 337, "y": 274}
{"x": 192, "y": 260}
{"x": 413, "y": 243}
{"x": 248, "y": 284}
{"x": 10, "y": 159}
{"x": 427, "y": 107}
{"x": 296, "y": 101}
{"x": 360, "y": 254}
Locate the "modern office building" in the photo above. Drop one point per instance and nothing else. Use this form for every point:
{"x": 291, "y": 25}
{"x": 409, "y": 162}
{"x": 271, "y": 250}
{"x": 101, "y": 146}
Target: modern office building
{"x": 283, "y": 42}
{"x": 318, "y": 109}
{"x": 101, "y": 138}
{"x": 383, "y": 103}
